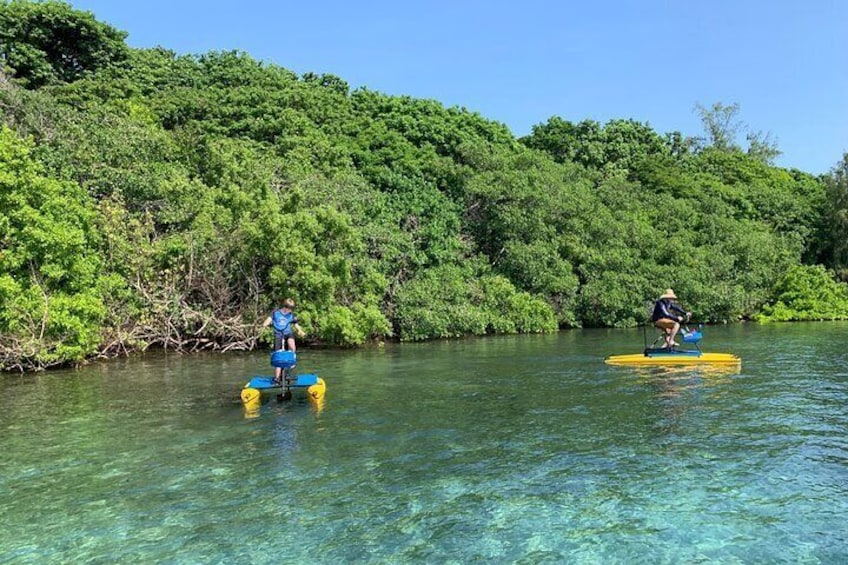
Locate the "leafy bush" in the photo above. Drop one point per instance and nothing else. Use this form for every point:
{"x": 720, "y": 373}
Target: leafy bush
{"x": 452, "y": 301}
{"x": 51, "y": 308}
{"x": 807, "y": 293}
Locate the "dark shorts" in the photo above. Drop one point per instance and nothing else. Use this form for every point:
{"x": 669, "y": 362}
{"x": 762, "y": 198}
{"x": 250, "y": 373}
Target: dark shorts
{"x": 280, "y": 341}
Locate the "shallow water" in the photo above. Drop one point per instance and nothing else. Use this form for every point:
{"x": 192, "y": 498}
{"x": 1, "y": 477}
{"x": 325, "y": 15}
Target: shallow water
{"x": 522, "y": 449}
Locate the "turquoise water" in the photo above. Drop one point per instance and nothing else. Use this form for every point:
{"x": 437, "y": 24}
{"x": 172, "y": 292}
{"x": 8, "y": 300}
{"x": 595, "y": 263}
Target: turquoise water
{"x": 520, "y": 449}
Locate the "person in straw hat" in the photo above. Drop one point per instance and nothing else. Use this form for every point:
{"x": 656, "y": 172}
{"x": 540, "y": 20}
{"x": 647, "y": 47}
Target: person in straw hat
{"x": 668, "y": 315}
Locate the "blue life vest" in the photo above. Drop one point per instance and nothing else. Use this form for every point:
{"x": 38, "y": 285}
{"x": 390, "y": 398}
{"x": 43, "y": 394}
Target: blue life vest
{"x": 283, "y": 322}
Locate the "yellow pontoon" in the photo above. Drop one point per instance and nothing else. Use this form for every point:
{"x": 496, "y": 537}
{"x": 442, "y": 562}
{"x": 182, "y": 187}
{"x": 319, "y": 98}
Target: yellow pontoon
{"x": 653, "y": 355}
{"x": 673, "y": 357}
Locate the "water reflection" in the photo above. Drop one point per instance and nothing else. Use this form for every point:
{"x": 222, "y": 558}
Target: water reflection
{"x": 682, "y": 398}
{"x": 708, "y": 373}
{"x": 254, "y": 403}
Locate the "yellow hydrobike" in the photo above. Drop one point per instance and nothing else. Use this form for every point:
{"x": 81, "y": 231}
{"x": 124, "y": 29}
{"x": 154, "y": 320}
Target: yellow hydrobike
{"x": 655, "y": 355}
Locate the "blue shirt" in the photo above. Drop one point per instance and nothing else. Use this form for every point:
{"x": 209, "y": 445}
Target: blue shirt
{"x": 283, "y": 322}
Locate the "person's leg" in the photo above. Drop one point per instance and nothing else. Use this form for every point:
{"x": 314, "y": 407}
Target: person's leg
{"x": 662, "y": 337}
{"x": 278, "y": 346}
{"x": 672, "y": 333}
{"x": 287, "y": 344}
{"x": 668, "y": 327}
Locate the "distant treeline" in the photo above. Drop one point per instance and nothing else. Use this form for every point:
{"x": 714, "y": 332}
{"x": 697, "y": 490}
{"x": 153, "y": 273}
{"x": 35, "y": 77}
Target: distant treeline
{"x": 156, "y": 199}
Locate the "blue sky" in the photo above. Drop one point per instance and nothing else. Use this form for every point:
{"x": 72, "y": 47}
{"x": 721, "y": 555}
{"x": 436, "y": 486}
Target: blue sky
{"x": 521, "y": 62}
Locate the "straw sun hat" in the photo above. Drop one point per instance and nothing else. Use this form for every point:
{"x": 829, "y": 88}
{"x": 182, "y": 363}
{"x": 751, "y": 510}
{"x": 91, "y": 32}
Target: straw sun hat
{"x": 669, "y": 294}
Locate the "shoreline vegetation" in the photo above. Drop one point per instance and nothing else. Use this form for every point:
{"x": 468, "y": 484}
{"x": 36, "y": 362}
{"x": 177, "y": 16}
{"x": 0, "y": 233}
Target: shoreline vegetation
{"x": 150, "y": 199}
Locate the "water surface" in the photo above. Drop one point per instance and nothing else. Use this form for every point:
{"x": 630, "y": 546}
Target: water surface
{"x": 519, "y": 449}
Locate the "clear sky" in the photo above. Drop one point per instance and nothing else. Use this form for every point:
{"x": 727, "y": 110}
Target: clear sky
{"x": 520, "y": 62}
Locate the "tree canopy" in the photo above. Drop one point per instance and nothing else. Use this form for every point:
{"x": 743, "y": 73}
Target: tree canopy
{"x": 49, "y": 42}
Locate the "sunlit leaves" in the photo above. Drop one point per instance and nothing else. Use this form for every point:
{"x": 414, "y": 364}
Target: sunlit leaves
{"x": 807, "y": 293}
{"x": 50, "y": 271}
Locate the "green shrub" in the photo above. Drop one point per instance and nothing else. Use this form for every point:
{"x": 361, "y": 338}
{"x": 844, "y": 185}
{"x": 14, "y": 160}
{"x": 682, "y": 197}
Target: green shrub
{"x": 807, "y": 293}
{"x": 51, "y": 306}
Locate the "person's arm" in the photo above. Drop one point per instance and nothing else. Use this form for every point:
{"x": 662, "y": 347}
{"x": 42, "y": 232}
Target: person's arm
{"x": 298, "y": 329}
{"x": 669, "y": 309}
{"x": 683, "y": 313}
{"x": 665, "y": 309}
{"x": 268, "y": 321}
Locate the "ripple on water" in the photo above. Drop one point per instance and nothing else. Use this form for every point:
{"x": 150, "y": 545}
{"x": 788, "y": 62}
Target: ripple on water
{"x": 510, "y": 450}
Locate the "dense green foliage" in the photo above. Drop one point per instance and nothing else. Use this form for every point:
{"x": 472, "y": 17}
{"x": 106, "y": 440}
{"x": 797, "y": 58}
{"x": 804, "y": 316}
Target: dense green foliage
{"x": 834, "y": 247}
{"x": 807, "y": 293}
{"x": 150, "y": 198}
{"x": 49, "y": 42}
{"x": 51, "y": 285}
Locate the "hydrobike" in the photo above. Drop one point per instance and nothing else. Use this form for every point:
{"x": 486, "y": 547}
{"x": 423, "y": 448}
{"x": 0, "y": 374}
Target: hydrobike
{"x": 654, "y": 355}
{"x": 307, "y": 385}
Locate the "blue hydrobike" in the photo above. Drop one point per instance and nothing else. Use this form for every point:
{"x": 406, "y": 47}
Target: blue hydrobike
{"x": 308, "y": 385}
